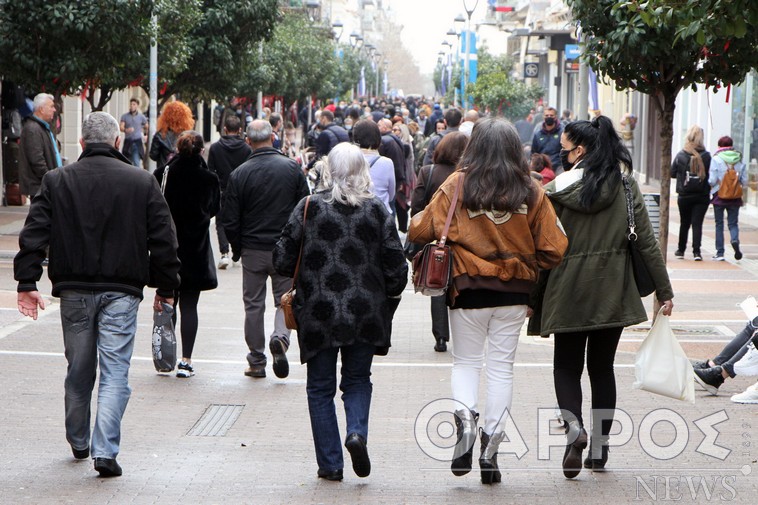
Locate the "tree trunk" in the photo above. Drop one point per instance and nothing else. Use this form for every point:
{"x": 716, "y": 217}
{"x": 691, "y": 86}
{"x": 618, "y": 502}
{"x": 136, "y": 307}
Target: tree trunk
{"x": 667, "y": 134}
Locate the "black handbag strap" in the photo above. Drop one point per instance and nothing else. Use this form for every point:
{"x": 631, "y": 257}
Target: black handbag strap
{"x": 451, "y": 211}
{"x": 428, "y": 186}
{"x": 629, "y": 208}
{"x": 302, "y": 239}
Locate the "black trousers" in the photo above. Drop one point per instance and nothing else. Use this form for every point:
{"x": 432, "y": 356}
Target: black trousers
{"x": 691, "y": 213}
{"x": 568, "y": 365}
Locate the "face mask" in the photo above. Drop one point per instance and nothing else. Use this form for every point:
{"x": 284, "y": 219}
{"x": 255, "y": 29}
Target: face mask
{"x": 549, "y": 121}
{"x": 565, "y": 163}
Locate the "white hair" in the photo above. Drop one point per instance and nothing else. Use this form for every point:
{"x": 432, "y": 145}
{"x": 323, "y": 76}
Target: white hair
{"x": 99, "y": 128}
{"x": 259, "y": 131}
{"x": 41, "y": 99}
{"x": 345, "y": 175}
{"x": 405, "y": 133}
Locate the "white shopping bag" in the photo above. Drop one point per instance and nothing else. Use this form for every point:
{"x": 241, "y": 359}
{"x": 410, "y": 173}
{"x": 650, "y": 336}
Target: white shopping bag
{"x": 661, "y": 366}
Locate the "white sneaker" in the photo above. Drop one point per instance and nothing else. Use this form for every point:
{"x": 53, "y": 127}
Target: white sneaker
{"x": 750, "y": 395}
{"x": 748, "y": 365}
{"x": 224, "y": 262}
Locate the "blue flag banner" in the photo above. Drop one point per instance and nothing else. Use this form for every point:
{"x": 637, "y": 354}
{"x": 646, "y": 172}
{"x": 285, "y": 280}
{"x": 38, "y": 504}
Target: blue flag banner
{"x": 468, "y": 45}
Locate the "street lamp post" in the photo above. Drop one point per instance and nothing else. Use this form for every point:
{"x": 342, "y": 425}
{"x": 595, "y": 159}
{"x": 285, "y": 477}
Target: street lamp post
{"x": 469, "y": 12}
{"x": 458, "y": 23}
{"x": 378, "y": 59}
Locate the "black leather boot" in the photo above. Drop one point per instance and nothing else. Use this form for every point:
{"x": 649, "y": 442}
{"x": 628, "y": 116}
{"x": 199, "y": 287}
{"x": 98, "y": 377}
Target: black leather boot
{"x": 576, "y": 443}
{"x": 465, "y": 424}
{"x": 596, "y": 461}
{"x": 488, "y": 458}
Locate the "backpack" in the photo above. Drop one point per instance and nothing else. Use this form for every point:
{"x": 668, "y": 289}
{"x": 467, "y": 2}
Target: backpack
{"x": 730, "y": 187}
{"x": 692, "y": 183}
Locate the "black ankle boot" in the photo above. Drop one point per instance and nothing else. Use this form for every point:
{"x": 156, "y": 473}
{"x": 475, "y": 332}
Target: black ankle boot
{"x": 488, "y": 459}
{"x": 465, "y": 424}
{"x": 596, "y": 462}
{"x": 572, "y": 459}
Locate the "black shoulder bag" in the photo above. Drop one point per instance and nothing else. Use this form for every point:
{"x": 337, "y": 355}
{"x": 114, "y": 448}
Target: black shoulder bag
{"x": 642, "y": 278}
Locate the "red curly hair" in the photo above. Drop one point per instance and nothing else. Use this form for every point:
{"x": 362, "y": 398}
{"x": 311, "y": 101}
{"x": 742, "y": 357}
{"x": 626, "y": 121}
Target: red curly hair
{"x": 177, "y": 117}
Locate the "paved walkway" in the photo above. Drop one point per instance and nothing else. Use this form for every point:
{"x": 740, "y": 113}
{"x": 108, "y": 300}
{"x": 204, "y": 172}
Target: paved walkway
{"x": 265, "y": 453}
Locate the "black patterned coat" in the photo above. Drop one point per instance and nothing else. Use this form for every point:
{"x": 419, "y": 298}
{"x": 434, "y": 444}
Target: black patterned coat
{"x": 352, "y": 261}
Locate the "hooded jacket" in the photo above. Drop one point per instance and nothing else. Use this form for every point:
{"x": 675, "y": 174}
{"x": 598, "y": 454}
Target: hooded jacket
{"x": 107, "y": 225}
{"x": 227, "y": 154}
{"x": 719, "y": 165}
{"x": 500, "y": 252}
{"x": 594, "y": 288}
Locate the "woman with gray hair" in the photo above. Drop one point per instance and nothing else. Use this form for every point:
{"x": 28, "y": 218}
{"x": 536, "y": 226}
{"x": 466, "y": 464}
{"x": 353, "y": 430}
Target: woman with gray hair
{"x": 351, "y": 277}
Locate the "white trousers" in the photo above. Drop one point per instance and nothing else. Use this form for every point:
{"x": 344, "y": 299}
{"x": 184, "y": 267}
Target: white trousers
{"x": 486, "y": 336}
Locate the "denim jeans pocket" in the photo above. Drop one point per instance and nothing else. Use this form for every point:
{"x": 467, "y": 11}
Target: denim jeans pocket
{"x": 74, "y": 313}
{"x": 119, "y": 306}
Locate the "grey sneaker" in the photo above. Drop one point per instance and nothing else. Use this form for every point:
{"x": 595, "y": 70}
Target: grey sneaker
{"x": 699, "y": 363}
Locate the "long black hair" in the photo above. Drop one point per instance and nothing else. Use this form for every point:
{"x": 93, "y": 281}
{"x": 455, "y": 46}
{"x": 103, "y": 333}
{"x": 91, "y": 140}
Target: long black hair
{"x": 497, "y": 174}
{"x": 605, "y": 156}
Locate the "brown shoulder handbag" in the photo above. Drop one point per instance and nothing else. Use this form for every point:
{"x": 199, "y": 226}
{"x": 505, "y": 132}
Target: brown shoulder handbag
{"x": 433, "y": 266}
{"x": 289, "y": 297}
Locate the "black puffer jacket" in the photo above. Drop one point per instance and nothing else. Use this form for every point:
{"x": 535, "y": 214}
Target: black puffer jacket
{"x": 687, "y": 183}
{"x": 259, "y": 198}
{"x": 193, "y": 196}
{"x": 352, "y": 261}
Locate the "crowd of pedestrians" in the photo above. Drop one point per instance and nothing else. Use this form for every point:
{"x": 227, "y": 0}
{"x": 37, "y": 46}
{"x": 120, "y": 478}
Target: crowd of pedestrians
{"x": 537, "y": 216}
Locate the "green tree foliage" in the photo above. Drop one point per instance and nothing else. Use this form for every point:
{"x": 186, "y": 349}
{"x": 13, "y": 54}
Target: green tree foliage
{"x": 497, "y": 90}
{"x": 222, "y": 48}
{"x": 300, "y": 59}
{"x": 659, "y": 47}
{"x": 58, "y": 46}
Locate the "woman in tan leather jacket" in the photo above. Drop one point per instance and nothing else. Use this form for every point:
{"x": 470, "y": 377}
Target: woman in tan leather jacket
{"x": 503, "y": 231}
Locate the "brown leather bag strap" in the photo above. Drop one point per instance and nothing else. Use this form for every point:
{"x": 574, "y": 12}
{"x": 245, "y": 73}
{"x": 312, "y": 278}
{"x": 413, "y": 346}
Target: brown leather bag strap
{"x": 302, "y": 239}
{"x": 451, "y": 210}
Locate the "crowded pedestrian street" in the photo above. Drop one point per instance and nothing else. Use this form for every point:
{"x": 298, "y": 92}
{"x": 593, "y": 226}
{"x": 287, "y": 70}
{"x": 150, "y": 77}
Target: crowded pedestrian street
{"x": 221, "y": 437}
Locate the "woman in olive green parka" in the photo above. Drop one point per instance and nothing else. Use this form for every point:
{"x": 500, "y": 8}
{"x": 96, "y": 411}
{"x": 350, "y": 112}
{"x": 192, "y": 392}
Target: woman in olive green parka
{"x": 591, "y": 296}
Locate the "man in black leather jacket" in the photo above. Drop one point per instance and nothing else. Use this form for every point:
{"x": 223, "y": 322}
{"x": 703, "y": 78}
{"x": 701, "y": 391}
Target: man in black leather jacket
{"x": 260, "y": 196}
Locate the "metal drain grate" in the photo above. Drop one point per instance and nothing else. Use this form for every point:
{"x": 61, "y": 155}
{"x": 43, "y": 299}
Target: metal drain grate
{"x": 216, "y": 421}
{"x": 679, "y": 330}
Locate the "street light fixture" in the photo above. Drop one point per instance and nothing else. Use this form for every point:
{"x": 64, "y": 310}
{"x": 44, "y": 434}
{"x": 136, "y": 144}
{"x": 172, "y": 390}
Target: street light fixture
{"x": 312, "y": 6}
{"x": 459, "y": 21}
{"x": 469, "y": 12}
{"x": 359, "y": 42}
{"x": 451, "y": 35}
{"x": 354, "y": 39}
{"x": 338, "y": 28}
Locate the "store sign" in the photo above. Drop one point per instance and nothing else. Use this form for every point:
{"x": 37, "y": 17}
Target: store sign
{"x": 531, "y": 70}
{"x": 572, "y": 51}
{"x": 571, "y": 66}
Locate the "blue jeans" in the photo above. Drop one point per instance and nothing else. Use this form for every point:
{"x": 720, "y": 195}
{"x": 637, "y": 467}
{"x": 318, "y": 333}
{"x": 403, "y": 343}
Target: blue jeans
{"x": 97, "y": 324}
{"x": 356, "y": 396}
{"x": 732, "y": 216}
